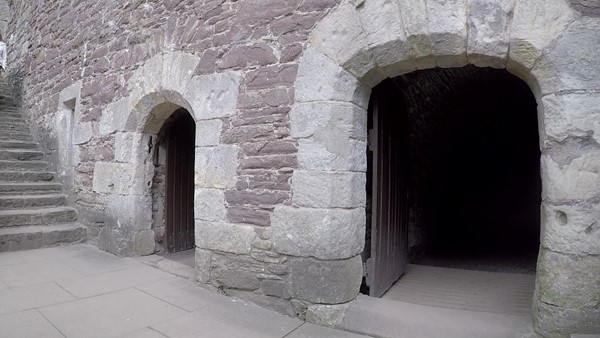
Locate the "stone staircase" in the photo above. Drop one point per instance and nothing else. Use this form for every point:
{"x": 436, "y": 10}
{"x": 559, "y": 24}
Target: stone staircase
{"x": 33, "y": 208}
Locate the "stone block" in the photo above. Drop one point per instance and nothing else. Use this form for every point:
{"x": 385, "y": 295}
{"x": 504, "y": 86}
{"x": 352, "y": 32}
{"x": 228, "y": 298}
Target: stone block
{"x": 322, "y": 79}
{"x": 146, "y": 79}
{"x": 224, "y": 237}
{"x": 335, "y": 152}
{"x": 568, "y": 281}
{"x": 214, "y": 95}
{"x": 319, "y": 189}
{"x": 236, "y": 272}
{"x": 340, "y": 36}
{"x": 571, "y": 115}
{"x": 555, "y": 321}
{"x": 448, "y": 31}
{"x": 571, "y": 228}
{"x": 116, "y": 117}
{"x": 489, "y": 26}
{"x": 132, "y": 147}
{"x": 119, "y": 178}
{"x": 576, "y": 179}
{"x": 338, "y": 281}
{"x": 82, "y": 132}
{"x": 320, "y": 233}
{"x": 326, "y": 315}
{"x": 248, "y": 216}
{"x": 276, "y": 304}
{"x": 572, "y": 62}
{"x": 535, "y": 24}
{"x": 208, "y": 133}
{"x": 203, "y": 263}
{"x": 130, "y": 211}
{"x": 178, "y": 69}
{"x": 209, "y": 204}
{"x": 274, "y": 288}
{"x": 216, "y": 167}
{"x": 319, "y": 119}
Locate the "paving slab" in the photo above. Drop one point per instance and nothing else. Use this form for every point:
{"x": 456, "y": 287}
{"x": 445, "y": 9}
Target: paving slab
{"x": 145, "y": 333}
{"x": 308, "y": 330}
{"x": 99, "y": 262}
{"x": 11, "y": 258}
{"x": 88, "y": 286}
{"x": 33, "y": 325}
{"x": 110, "y": 315}
{"x": 57, "y": 253}
{"x": 231, "y": 319}
{"x": 183, "y": 293}
{"x": 32, "y": 273}
{"x": 29, "y": 297}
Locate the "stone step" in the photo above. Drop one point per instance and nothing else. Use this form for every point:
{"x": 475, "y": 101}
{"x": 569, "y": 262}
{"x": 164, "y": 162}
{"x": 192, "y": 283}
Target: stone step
{"x": 14, "y": 129}
{"x": 23, "y": 165}
{"x": 11, "y": 202}
{"x": 26, "y": 176}
{"x": 18, "y": 145}
{"x": 21, "y": 188}
{"x": 41, "y": 216}
{"x": 16, "y": 137}
{"x": 20, "y": 154}
{"x": 10, "y": 117}
{"x": 35, "y": 237}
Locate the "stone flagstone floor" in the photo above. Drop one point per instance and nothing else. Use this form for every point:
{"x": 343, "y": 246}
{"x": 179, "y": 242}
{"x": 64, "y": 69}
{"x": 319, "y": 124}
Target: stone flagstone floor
{"x": 80, "y": 291}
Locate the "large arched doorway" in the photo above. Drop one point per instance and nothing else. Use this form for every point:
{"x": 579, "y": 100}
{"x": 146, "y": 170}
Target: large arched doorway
{"x": 175, "y": 163}
{"x": 453, "y": 182}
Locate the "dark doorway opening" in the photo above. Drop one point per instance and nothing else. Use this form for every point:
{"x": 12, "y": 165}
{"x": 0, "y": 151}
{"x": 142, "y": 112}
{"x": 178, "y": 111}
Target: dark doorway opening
{"x": 177, "y": 137}
{"x": 454, "y": 174}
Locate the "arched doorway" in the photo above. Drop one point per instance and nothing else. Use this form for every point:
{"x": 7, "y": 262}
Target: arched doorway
{"x": 175, "y": 160}
{"x": 453, "y": 182}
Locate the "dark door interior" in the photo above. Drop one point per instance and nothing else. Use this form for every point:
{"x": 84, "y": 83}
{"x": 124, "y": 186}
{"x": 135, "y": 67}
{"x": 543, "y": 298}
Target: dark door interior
{"x": 388, "y": 161}
{"x": 180, "y": 135}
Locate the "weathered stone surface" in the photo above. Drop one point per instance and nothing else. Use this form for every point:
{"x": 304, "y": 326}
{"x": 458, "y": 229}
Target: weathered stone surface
{"x": 536, "y": 23}
{"x": 236, "y": 272}
{"x": 216, "y": 167}
{"x": 82, "y": 132}
{"x": 203, "y": 263}
{"x": 213, "y": 96}
{"x": 319, "y": 189}
{"x": 130, "y": 211}
{"x": 119, "y": 178}
{"x": 224, "y": 237}
{"x": 555, "y": 321}
{"x": 326, "y": 315}
{"x": 129, "y": 147}
{"x": 116, "y": 117}
{"x": 338, "y": 153}
{"x": 586, "y": 7}
{"x": 327, "y": 120}
{"x": 448, "y": 31}
{"x": 320, "y": 233}
{"x": 568, "y": 281}
{"x": 208, "y": 133}
{"x": 277, "y": 304}
{"x": 321, "y": 79}
{"x": 209, "y": 204}
{"x": 489, "y": 25}
{"x": 178, "y": 68}
{"x": 571, "y": 115}
{"x": 579, "y": 179}
{"x": 572, "y": 62}
{"x": 340, "y": 36}
{"x": 248, "y": 215}
{"x": 274, "y": 288}
{"x": 146, "y": 79}
{"x": 252, "y": 55}
{"x": 571, "y": 229}
{"x": 249, "y": 197}
{"x": 338, "y": 281}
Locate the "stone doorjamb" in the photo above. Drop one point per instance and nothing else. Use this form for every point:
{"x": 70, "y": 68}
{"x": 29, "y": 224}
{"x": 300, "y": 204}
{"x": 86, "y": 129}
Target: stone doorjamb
{"x": 363, "y": 42}
{"x": 162, "y": 85}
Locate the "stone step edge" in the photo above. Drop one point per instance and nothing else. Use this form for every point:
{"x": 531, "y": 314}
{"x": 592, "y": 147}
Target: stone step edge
{"x": 35, "y": 236}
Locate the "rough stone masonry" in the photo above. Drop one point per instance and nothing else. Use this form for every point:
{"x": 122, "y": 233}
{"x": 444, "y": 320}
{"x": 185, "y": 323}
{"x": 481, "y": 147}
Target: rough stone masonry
{"x": 279, "y": 91}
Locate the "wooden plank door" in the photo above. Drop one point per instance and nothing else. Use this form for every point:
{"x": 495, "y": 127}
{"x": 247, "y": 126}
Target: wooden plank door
{"x": 180, "y": 182}
{"x": 389, "y": 218}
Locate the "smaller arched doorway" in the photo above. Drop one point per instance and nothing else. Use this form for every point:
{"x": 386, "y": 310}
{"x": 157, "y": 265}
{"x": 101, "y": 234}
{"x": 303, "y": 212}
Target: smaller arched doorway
{"x": 175, "y": 160}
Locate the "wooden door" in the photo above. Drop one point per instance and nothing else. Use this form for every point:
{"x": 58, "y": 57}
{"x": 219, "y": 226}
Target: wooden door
{"x": 389, "y": 216}
{"x": 180, "y": 138}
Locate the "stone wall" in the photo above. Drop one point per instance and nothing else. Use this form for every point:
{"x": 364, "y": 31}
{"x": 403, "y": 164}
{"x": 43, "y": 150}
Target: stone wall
{"x": 4, "y": 18}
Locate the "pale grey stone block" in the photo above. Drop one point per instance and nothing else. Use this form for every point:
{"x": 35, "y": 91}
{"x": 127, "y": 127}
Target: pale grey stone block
{"x": 214, "y": 95}
{"x": 178, "y": 69}
{"x": 448, "y": 31}
{"x": 115, "y": 117}
{"x": 320, "y": 233}
{"x": 338, "y": 281}
{"x": 322, "y": 79}
{"x": 216, "y": 167}
{"x": 82, "y": 132}
{"x": 577, "y": 180}
{"x": 555, "y": 321}
{"x": 489, "y": 25}
{"x": 572, "y": 61}
{"x": 320, "y": 119}
{"x": 224, "y": 237}
{"x": 319, "y": 189}
{"x": 571, "y": 115}
{"x": 203, "y": 261}
{"x": 209, "y": 204}
{"x": 132, "y": 147}
{"x": 337, "y": 152}
{"x": 119, "y": 178}
{"x": 535, "y": 24}
{"x": 571, "y": 228}
{"x": 146, "y": 79}
{"x": 340, "y": 36}
{"x": 130, "y": 211}
{"x": 326, "y": 315}
{"x": 208, "y": 133}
